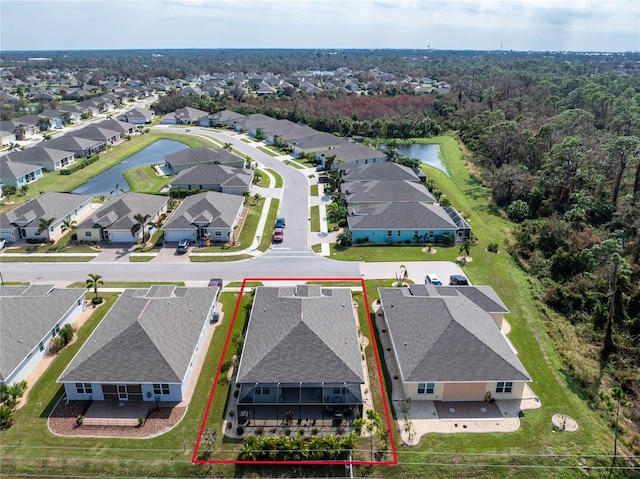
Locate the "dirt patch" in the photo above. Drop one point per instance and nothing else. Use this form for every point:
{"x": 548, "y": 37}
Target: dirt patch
{"x": 564, "y": 423}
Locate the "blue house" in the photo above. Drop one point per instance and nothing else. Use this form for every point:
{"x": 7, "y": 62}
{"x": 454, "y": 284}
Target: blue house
{"x": 400, "y": 222}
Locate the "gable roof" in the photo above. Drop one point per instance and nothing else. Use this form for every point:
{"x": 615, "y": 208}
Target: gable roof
{"x": 137, "y": 341}
{"x": 224, "y": 176}
{"x": 96, "y": 133}
{"x": 203, "y": 154}
{"x": 38, "y": 155}
{"x": 72, "y": 143}
{"x": 28, "y": 315}
{"x": 303, "y": 333}
{"x": 386, "y": 170}
{"x": 442, "y": 336}
{"x": 399, "y": 216}
{"x": 385, "y": 190}
{"x": 353, "y": 152}
{"x": 116, "y": 125}
{"x": 47, "y": 205}
{"x": 119, "y": 212}
{"x": 216, "y": 210}
{"x": 14, "y": 170}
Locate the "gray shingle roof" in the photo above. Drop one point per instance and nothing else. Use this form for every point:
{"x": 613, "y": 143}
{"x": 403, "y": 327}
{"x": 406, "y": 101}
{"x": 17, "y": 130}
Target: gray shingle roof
{"x": 193, "y": 156}
{"x": 400, "y": 216}
{"x": 119, "y": 212}
{"x": 147, "y": 336}
{"x": 38, "y": 155}
{"x": 14, "y": 170}
{"x": 385, "y": 190}
{"x": 213, "y": 175}
{"x": 28, "y": 313}
{"x": 301, "y": 334}
{"x": 385, "y": 170}
{"x": 216, "y": 209}
{"x": 47, "y": 205}
{"x": 447, "y": 338}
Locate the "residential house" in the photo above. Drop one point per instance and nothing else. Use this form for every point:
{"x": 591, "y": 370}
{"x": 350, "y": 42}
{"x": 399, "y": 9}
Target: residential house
{"x": 80, "y": 147}
{"x": 31, "y": 318}
{"x": 254, "y": 123}
{"x": 121, "y": 127}
{"x": 92, "y": 132}
{"x": 23, "y": 222}
{"x": 377, "y": 171}
{"x": 7, "y": 137}
{"x": 301, "y": 356}
{"x": 210, "y": 215}
{"x": 447, "y": 346}
{"x": 400, "y": 222}
{"x": 48, "y": 158}
{"x": 234, "y": 181}
{"x": 350, "y": 153}
{"x": 18, "y": 174}
{"x": 183, "y": 159}
{"x": 145, "y": 348}
{"x": 137, "y": 116}
{"x": 183, "y": 116}
{"x": 359, "y": 193}
{"x": 114, "y": 220}
{"x": 223, "y": 118}
{"x": 12, "y": 126}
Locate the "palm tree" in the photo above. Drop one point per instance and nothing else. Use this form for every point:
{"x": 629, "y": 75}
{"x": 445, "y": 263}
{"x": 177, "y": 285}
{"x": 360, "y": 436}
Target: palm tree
{"x": 44, "y": 123}
{"x": 24, "y": 189}
{"x": 45, "y": 224}
{"x": 141, "y": 222}
{"x": 9, "y": 190}
{"x": 65, "y": 116}
{"x": 68, "y": 225}
{"x": 227, "y": 146}
{"x": 20, "y": 131}
{"x": 116, "y": 190}
{"x": 402, "y": 276}
{"x": 92, "y": 283}
{"x": 464, "y": 247}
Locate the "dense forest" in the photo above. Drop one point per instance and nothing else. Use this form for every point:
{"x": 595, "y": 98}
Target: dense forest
{"x": 555, "y": 136}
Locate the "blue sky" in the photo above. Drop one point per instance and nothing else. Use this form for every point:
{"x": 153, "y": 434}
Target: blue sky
{"x": 576, "y": 25}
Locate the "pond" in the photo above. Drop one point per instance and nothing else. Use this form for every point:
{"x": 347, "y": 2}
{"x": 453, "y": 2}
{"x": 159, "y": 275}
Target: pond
{"x": 427, "y": 154}
{"x": 106, "y": 182}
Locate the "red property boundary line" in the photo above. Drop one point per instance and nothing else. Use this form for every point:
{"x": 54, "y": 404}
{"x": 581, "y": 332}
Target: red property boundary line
{"x": 394, "y": 461}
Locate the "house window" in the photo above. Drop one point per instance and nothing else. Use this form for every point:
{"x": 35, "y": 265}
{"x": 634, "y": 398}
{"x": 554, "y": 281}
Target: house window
{"x": 425, "y": 388}
{"x": 504, "y": 387}
{"x": 160, "y": 389}
{"x": 217, "y": 233}
{"x": 84, "y": 388}
{"x": 41, "y": 346}
{"x": 389, "y": 233}
{"x": 398, "y": 232}
{"x": 87, "y": 233}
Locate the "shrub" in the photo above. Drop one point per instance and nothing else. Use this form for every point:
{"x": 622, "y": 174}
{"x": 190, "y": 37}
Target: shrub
{"x": 342, "y": 222}
{"x": 66, "y": 334}
{"x": 97, "y": 300}
{"x": 240, "y": 430}
{"x": 492, "y": 247}
{"x": 259, "y": 431}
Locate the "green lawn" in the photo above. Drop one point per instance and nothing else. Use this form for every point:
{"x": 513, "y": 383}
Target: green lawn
{"x": 294, "y": 164}
{"x": 313, "y": 190}
{"x": 46, "y": 259}
{"x": 247, "y": 234}
{"x": 279, "y": 180}
{"x": 143, "y": 179}
{"x": 140, "y": 259}
{"x": 265, "y": 241}
{"x": 218, "y": 259}
{"x": 269, "y": 151}
{"x": 53, "y": 181}
{"x": 315, "y": 218}
{"x": 125, "y": 284}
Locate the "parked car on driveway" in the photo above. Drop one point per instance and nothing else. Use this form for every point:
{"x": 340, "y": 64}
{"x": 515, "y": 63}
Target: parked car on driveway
{"x": 183, "y": 246}
{"x": 458, "y": 280}
{"x": 432, "y": 279}
{"x": 278, "y": 235}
